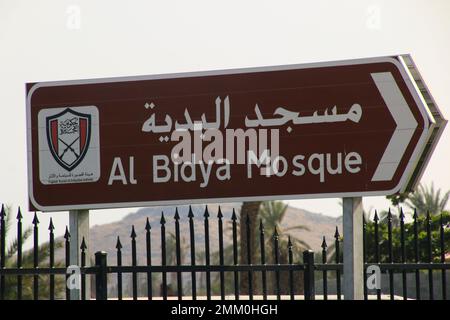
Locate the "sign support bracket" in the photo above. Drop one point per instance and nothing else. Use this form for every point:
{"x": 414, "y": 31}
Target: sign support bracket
{"x": 353, "y": 248}
{"x": 79, "y": 228}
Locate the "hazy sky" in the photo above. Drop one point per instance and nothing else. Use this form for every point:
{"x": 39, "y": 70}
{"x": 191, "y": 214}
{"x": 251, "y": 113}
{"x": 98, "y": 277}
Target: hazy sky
{"x": 63, "y": 40}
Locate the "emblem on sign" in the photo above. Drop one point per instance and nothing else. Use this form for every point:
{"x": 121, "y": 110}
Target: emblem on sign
{"x": 69, "y": 145}
{"x": 68, "y": 135}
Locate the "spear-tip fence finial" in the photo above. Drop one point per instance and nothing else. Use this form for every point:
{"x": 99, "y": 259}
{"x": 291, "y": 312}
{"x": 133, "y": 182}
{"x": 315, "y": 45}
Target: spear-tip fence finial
{"x": 83, "y": 245}
{"x": 147, "y": 225}
{"x": 133, "y": 233}
{"x": 324, "y": 243}
{"x": 51, "y": 227}
{"x": 35, "y": 219}
{"x": 375, "y": 218}
{"x": 176, "y": 216}
{"x": 336, "y": 233}
{"x": 19, "y": 214}
{"x": 190, "y": 213}
{"x": 67, "y": 234}
{"x": 233, "y": 215}
{"x": 118, "y": 243}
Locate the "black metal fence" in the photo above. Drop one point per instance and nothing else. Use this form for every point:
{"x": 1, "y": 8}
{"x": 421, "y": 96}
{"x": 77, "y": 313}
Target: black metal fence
{"x": 279, "y": 270}
{"x": 427, "y": 254}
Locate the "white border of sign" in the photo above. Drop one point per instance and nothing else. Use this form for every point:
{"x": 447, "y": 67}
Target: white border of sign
{"x": 424, "y": 110}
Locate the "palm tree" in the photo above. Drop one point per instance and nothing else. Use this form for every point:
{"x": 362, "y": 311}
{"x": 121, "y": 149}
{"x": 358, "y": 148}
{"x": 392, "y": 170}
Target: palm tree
{"x": 171, "y": 256}
{"x": 27, "y": 262}
{"x": 250, "y": 211}
{"x": 272, "y": 214}
{"x": 426, "y": 199}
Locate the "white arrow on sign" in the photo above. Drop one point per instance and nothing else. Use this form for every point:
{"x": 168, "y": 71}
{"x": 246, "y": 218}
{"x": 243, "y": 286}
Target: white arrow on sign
{"x": 406, "y": 125}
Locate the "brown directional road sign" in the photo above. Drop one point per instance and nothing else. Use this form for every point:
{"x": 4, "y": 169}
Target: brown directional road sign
{"x": 340, "y": 129}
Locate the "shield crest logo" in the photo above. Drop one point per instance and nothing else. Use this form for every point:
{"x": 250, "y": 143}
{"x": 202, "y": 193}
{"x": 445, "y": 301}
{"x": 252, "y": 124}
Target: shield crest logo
{"x": 68, "y": 136}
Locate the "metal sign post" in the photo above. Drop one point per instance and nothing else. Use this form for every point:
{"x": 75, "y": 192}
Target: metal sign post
{"x": 79, "y": 228}
{"x": 353, "y": 248}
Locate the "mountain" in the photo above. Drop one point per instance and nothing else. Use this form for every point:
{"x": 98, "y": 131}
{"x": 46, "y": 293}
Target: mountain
{"x": 104, "y": 237}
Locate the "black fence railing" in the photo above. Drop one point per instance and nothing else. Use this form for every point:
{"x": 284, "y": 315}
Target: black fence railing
{"x": 422, "y": 257}
{"x": 271, "y": 267}
{"x": 249, "y": 268}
